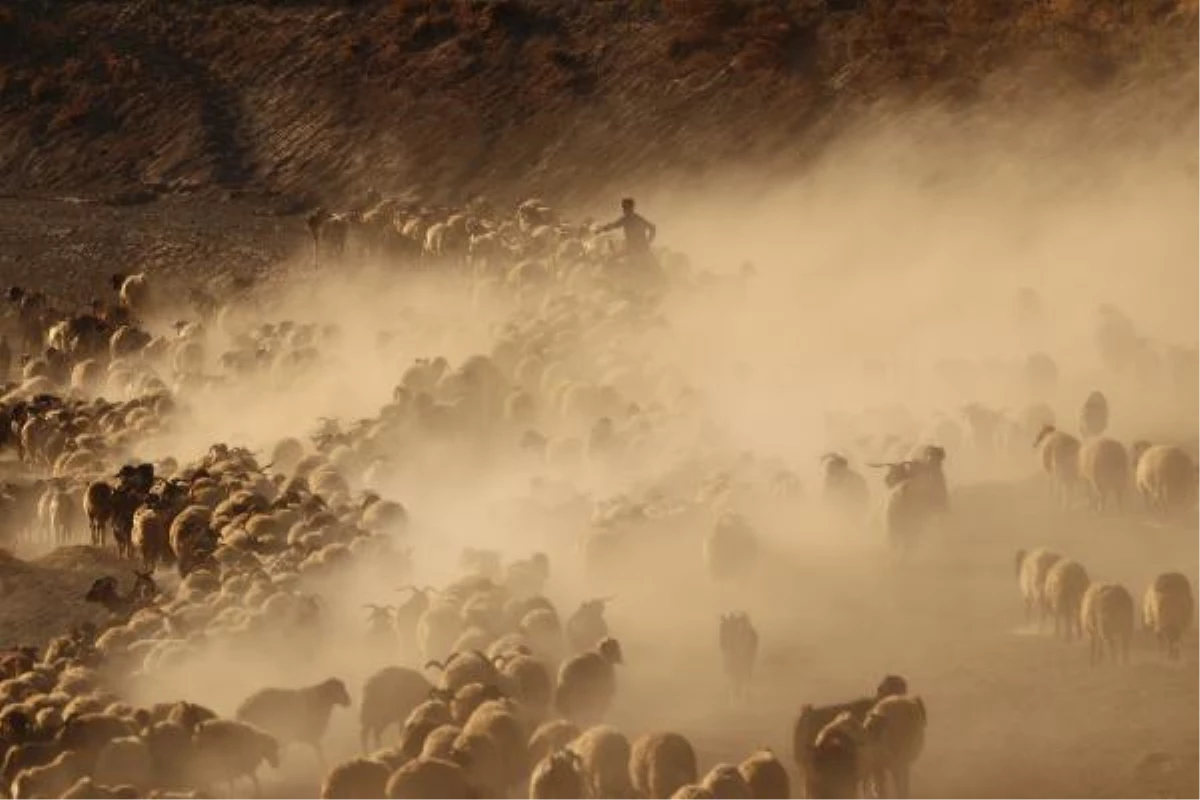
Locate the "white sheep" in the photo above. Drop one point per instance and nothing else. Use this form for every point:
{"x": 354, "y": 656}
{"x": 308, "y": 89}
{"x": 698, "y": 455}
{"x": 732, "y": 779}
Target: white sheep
{"x": 1166, "y": 480}
{"x": 558, "y": 775}
{"x": 428, "y": 778}
{"x": 724, "y": 781}
{"x": 1032, "y": 568}
{"x": 895, "y": 732}
{"x": 358, "y": 777}
{"x": 1062, "y": 596}
{"x": 660, "y": 763}
{"x": 1106, "y": 615}
{"x": 1104, "y": 467}
{"x": 604, "y": 754}
{"x": 1167, "y": 610}
{"x": 1059, "y": 453}
{"x": 765, "y": 775}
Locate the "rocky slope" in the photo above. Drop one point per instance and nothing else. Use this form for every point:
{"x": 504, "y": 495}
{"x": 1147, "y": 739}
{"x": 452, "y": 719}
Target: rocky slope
{"x": 313, "y": 100}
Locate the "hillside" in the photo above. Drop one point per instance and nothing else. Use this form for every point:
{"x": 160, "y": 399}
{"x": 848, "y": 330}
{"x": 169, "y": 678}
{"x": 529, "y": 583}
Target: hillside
{"x": 314, "y": 99}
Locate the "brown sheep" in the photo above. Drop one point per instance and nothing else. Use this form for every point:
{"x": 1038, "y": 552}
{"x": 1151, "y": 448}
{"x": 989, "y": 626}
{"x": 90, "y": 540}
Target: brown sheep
{"x": 766, "y": 776}
{"x": 1062, "y": 596}
{"x": 586, "y": 683}
{"x": 1167, "y": 610}
{"x": 659, "y": 763}
{"x": 1059, "y": 453}
{"x": 1032, "y": 568}
{"x": 1104, "y": 467}
{"x": 1106, "y": 615}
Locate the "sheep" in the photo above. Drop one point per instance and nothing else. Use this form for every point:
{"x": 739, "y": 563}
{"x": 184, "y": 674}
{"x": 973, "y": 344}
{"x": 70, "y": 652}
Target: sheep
{"x": 440, "y": 742}
{"x": 430, "y": 778}
{"x": 765, "y": 775}
{"x": 693, "y": 791}
{"x": 1104, "y": 467}
{"x": 497, "y": 721}
{"x": 388, "y": 697}
{"x": 438, "y": 628}
{"x": 149, "y": 535}
{"x": 1093, "y": 417}
{"x": 1059, "y": 453}
{"x": 225, "y": 750}
{"x": 551, "y": 736}
{"x": 833, "y": 769}
{"x": 1166, "y": 480}
{"x": 844, "y": 491}
{"x": 295, "y": 715}
{"x": 813, "y": 719}
{"x": 558, "y": 776}
{"x": 1032, "y": 568}
{"x": 604, "y": 755}
{"x": 739, "y": 648}
{"x": 915, "y": 491}
{"x": 659, "y": 763}
{"x": 424, "y": 719}
{"x": 586, "y": 627}
{"x": 97, "y": 506}
{"x": 587, "y": 682}
{"x": 127, "y": 760}
{"x": 731, "y": 548}
{"x": 1066, "y": 581}
{"x": 528, "y": 681}
{"x": 483, "y": 763}
{"x": 135, "y": 293}
{"x": 1167, "y": 610}
{"x": 724, "y": 781}
{"x": 51, "y": 779}
{"x": 24, "y": 756}
{"x": 191, "y": 537}
{"x": 358, "y": 777}
{"x": 895, "y": 731}
{"x": 1106, "y": 616}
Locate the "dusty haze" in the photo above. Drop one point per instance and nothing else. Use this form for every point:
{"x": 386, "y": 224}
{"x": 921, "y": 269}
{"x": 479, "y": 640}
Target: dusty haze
{"x": 904, "y": 245}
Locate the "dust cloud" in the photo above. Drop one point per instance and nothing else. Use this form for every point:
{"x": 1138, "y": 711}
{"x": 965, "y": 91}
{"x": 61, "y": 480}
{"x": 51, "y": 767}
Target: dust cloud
{"x": 883, "y": 298}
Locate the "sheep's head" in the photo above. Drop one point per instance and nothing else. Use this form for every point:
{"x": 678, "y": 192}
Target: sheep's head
{"x": 333, "y": 691}
{"x": 934, "y": 455}
{"x": 891, "y": 685}
{"x": 834, "y": 463}
{"x": 103, "y": 591}
{"x": 610, "y": 649}
{"x": 144, "y": 587}
{"x": 1043, "y": 433}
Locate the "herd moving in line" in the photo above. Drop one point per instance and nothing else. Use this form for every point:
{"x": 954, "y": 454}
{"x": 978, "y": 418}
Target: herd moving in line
{"x": 500, "y": 693}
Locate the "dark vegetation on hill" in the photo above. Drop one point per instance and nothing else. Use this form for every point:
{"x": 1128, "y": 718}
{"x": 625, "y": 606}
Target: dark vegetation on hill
{"x": 314, "y": 100}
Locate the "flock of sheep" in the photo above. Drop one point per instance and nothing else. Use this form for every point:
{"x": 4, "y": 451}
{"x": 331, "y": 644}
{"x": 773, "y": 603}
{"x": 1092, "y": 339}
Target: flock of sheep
{"x": 484, "y": 686}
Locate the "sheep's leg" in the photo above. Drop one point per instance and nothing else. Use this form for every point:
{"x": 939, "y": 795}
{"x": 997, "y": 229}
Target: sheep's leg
{"x": 316, "y": 746}
{"x": 900, "y": 777}
{"x": 1057, "y": 627}
{"x": 1092, "y": 650}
